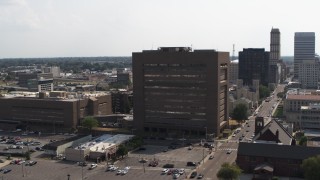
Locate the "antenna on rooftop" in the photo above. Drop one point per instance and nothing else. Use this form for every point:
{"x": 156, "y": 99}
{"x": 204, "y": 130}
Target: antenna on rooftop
{"x": 233, "y": 52}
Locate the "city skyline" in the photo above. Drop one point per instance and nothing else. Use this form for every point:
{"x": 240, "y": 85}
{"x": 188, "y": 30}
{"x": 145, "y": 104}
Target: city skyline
{"x": 30, "y": 28}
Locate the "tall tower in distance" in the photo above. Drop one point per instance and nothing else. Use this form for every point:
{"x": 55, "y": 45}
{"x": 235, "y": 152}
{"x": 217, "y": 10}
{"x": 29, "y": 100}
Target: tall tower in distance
{"x": 304, "y": 49}
{"x": 275, "y": 54}
{"x": 275, "y": 47}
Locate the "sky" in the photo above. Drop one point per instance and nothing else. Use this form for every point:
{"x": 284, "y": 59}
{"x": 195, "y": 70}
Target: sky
{"x": 74, "y": 28}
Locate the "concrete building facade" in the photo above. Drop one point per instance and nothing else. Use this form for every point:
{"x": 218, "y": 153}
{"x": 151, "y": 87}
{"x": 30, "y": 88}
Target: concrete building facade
{"x": 178, "y": 91}
{"x": 309, "y": 74}
{"x": 293, "y": 104}
{"x": 234, "y": 71}
{"x": 304, "y": 49}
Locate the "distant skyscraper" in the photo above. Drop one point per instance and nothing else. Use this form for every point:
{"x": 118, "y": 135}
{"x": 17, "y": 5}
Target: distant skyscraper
{"x": 254, "y": 64}
{"x": 275, "y": 54}
{"x": 234, "y": 71}
{"x": 304, "y": 49}
{"x": 275, "y": 47}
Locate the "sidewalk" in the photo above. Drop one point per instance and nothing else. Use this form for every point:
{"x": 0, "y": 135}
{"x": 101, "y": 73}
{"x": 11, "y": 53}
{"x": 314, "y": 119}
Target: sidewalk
{"x": 4, "y": 163}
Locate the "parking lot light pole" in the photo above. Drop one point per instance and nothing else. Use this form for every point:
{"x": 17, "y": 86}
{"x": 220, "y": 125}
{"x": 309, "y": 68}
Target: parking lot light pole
{"x": 144, "y": 169}
{"x": 206, "y": 132}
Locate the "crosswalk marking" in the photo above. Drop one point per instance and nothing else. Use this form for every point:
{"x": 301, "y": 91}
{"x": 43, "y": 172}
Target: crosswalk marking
{"x": 227, "y": 149}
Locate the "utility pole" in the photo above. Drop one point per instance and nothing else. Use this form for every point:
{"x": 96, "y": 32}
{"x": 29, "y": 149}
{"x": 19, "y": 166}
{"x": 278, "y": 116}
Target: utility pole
{"x": 203, "y": 155}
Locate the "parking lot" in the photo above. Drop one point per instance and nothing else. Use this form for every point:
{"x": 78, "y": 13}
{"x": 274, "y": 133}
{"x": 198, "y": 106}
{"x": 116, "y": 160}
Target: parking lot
{"x": 46, "y": 168}
{"x": 55, "y": 169}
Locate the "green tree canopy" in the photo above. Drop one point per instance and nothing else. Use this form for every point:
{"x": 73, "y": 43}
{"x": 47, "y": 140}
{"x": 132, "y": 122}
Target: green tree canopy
{"x": 122, "y": 150}
{"x": 263, "y": 92}
{"x": 90, "y": 122}
{"x": 311, "y": 168}
{"x": 229, "y": 172}
{"x": 303, "y": 141}
{"x": 240, "y": 112}
{"x": 280, "y": 95}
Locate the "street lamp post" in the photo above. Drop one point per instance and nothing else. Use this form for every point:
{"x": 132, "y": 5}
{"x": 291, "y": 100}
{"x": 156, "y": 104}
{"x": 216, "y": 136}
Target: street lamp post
{"x": 68, "y": 176}
{"x": 206, "y": 132}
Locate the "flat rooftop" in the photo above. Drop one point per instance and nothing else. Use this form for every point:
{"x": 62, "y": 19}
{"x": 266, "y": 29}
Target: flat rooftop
{"x": 104, "y": 142}
{"x": 303, "y": 97}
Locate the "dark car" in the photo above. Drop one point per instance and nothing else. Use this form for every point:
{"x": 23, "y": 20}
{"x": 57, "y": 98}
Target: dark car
{"x": 6, "y": 171}
{"x": 82, "y": 164}
{"x": 191, "y": 163}
{"x": 142, "y": 148}
{"x": 153, "y": 163}
{"x": 193, "y": 174}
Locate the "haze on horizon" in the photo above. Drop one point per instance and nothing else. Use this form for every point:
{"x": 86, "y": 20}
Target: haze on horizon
{"x": 73, "y": 28}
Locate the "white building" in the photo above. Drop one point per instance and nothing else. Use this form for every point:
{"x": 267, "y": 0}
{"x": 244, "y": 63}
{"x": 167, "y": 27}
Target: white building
{"x": 98, "y": 148}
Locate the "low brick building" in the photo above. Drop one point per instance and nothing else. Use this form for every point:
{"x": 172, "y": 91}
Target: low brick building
{"x": 52, "y": 111}
{"x": 281, "y": 160}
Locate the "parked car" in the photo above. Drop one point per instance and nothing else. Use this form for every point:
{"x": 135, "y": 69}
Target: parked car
{"x": 176, "y": 176}
{"x": 5, "y": 171}
{"x": 200, "y": 176}
{"x": 119, "y": 172}
{"x": 112, "y": 168}
{"x": 92, "y": 166}
{"x": 124, "y": 172}
{"x": 229, "y": 152}
{"x": 181, "y": 171}
{"x": 31, "y": 163}
{"x": 164, "y": 171}
{"x": 82, "y": 164}
{"x": 168, "y": 166}
{"x": 153, "y": 163}
{"x": 211, "y": 157}
{"x": 193, "y": 174}
{"x": 191, "y": 163}
{"x": 21, "y": 162}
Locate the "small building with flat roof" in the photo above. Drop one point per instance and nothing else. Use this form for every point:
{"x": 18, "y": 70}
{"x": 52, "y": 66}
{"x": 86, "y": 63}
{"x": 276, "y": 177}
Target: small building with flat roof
{"x": 58, "y": 147}
{"x": 98, "y": 149}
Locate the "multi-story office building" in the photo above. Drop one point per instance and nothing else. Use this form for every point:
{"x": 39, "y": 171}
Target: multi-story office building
{"x": 310, "y": 116}
{"x": 59, "y": 110}
{"x": 45, "y": 85}
{"x": 55, "y": 70}
{"x": 180, "y": 92}
{"x": 293, "y": 104}
{"x": 254, "y": 65}
{"x": 233, "y": 71}
{"x": 309, "y": 74}
{"x": 304, "y": 49}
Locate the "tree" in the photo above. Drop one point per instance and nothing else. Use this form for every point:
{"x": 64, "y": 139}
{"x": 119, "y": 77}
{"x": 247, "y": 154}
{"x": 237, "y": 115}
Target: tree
{"x": 27, "y": 155}
{"x": 90, "y": 122}
{"x": 229, "y": 172}
{"x": 122, "y": 150}
{"x": 240, "y": 112}
{"x": 280, "y": 95}
{"x": 311, "y": 168}
{"x": 303, "y": 141}
{"x": 263, "y": 92}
